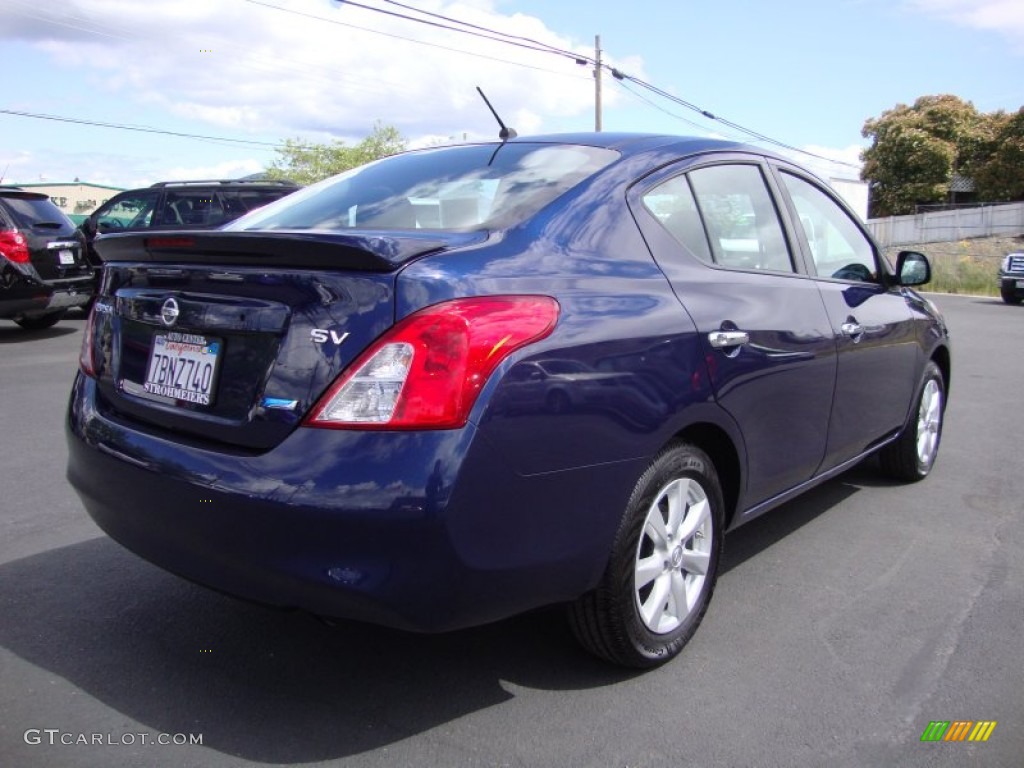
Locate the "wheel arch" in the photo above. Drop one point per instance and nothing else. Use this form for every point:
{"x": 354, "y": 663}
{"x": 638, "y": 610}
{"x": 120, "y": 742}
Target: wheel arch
{"x": 940, "y": 356}
{"x": 721, "y": 449}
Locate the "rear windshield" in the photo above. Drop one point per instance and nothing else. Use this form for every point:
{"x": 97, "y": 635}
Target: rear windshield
{"x": 464, "y": 187}
{"x": 38, "y": 213}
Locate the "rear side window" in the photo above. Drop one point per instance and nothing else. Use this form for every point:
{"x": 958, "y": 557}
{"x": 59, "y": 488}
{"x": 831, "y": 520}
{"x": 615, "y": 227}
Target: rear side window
{"x": 673, "y": 204}
{"x": 238, "y": 202}
{"x": 465, "y": 187}
{"x": 741, "y": 220}
{"x": 34, "y": 212}
{"x": 190, "y": 208}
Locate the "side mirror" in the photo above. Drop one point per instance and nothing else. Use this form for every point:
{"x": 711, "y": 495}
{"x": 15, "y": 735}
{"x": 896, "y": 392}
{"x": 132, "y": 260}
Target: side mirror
{"x": 912, "y": 268}
{"x": 88, "y": 227}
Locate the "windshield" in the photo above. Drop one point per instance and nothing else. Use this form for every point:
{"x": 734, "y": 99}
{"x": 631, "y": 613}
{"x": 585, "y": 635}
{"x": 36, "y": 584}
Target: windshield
{"x": 465, "y": 187}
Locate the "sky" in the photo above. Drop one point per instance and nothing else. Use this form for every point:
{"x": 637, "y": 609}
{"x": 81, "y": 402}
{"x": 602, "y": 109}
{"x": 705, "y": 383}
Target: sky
{"x": 247, "y": 74}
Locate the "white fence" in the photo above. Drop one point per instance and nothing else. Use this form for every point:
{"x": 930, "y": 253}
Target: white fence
{"x": 943, "y": 226}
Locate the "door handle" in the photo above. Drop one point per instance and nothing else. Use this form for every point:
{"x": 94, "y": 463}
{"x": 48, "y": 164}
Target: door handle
{"x": 726, "y": 339}
{"x": 852, "y": 329}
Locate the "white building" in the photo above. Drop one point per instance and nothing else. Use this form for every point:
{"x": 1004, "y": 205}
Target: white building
{"x": 74, "y": 197}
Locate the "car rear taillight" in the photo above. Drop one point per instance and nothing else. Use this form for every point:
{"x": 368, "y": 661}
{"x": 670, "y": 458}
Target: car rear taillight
{"x": 14, "y": 246}
{"x": 426, "y": 372}
{"x": 86, "y": 361}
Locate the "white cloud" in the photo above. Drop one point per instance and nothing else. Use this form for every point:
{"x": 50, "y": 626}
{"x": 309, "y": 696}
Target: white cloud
{"x": 12, "y": 164}
{"x": 24, "y": 167}
{"x": 315, "y": 69}
{"x": 1003, "y": 16}
{"x": 227, "y": 170}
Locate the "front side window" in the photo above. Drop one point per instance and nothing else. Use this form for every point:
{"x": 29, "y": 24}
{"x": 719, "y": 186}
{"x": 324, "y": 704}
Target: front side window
{"x": 466, "y": 187}
{"x": 741, "y": 220}
{"x": 839, "y": 249}
{"x": 129, "y": 212}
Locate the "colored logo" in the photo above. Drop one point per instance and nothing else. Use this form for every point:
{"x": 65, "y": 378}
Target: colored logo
{"x": 958, "y": 730}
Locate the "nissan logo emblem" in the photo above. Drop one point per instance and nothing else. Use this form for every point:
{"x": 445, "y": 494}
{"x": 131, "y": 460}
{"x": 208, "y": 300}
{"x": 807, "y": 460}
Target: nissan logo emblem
{"x": 169, "y": 312}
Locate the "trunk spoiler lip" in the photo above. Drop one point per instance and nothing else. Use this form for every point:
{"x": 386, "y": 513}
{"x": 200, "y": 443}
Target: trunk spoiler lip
{"x": 364, "y": 250}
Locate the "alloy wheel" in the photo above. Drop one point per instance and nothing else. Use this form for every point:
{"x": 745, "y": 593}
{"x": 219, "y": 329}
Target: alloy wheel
{"x": 673, "y": 555}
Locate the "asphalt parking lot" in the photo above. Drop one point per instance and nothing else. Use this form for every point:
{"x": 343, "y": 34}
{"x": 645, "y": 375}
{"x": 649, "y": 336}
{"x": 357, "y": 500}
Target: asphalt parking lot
{"x": 844, "y": 623}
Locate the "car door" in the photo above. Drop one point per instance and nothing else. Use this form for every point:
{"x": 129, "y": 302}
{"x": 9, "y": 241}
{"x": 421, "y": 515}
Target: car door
{"x": 878, "y": 353}
{"x": 715, "y": 231}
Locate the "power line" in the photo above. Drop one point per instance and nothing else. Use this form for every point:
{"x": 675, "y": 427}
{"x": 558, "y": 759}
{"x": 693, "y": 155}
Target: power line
{"x": 141, "y": 129}
{"x": 411, "y": 39}
{"x": 258, "y": 61}
{"x": 86, "y": 25}
{"x": 655, "y": 105}
{"x": 735, "y": 126}
{"x": 474, "y": 29}
{"x": 502, "y": 37}
{"x": 578, "y": 58}
{"x": 441, "y": 21}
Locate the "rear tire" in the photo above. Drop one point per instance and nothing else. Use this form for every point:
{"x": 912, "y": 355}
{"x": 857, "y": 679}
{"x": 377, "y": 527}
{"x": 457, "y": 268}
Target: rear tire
{"x": 663, "y": 564}
{"x": 911, "y": 457}
{"x": 40, "y": 322}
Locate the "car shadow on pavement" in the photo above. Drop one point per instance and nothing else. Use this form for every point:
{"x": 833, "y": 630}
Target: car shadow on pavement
{"x": 13, "y": 334}
{"x": 762, "y": 532}
{"x": 282, "y": 687}
{"x": 261, "y": 684}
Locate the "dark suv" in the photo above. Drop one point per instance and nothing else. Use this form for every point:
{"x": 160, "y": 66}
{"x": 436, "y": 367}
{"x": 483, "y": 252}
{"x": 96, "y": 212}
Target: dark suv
{"x": 43, "y": 265}
{"x": 1011, "y": 278}
{"x": 182, "y": 204}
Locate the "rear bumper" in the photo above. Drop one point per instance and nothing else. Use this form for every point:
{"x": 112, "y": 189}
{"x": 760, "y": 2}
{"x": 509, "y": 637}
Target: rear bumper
{"x": 373, "y": 526}
{"x": 23, "y": 295}
{"x": 65, "y": 298}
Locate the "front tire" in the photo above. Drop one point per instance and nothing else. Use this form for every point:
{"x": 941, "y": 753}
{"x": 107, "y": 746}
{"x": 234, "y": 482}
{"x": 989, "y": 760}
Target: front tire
{"x": 911, "y": 457}
{"x": 1010, "y": 296}
{"x": 663, "y": 564}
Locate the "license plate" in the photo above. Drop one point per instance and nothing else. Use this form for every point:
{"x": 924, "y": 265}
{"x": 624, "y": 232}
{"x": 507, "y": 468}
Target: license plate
{"x": 1020, "y": 283}
{"x": 183, "y": 366}
{"x": 66, "y": 257}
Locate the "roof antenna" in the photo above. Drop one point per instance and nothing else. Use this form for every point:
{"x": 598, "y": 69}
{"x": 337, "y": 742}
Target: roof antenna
{"x": 505, "y": 133}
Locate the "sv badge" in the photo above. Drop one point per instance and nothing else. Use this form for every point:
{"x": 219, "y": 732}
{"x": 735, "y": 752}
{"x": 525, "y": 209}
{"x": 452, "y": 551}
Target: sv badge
{"x": 323, "y": 335}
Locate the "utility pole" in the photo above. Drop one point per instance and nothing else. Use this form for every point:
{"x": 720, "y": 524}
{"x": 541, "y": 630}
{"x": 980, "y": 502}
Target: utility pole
{"x": 597, "y": 83}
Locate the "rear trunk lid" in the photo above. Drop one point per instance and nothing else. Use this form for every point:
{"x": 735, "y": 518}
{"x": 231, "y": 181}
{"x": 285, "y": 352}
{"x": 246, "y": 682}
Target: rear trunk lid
{"x": 230, "y": 337}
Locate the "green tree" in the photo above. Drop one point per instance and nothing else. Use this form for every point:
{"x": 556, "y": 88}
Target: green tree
{"x": 307, "y": 163}
{"x": 916, "y": 150}
{"x": 998, "y": 172}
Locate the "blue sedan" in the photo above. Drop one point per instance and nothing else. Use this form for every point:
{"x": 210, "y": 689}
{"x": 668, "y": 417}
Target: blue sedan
{"x": 463, "y": 382}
